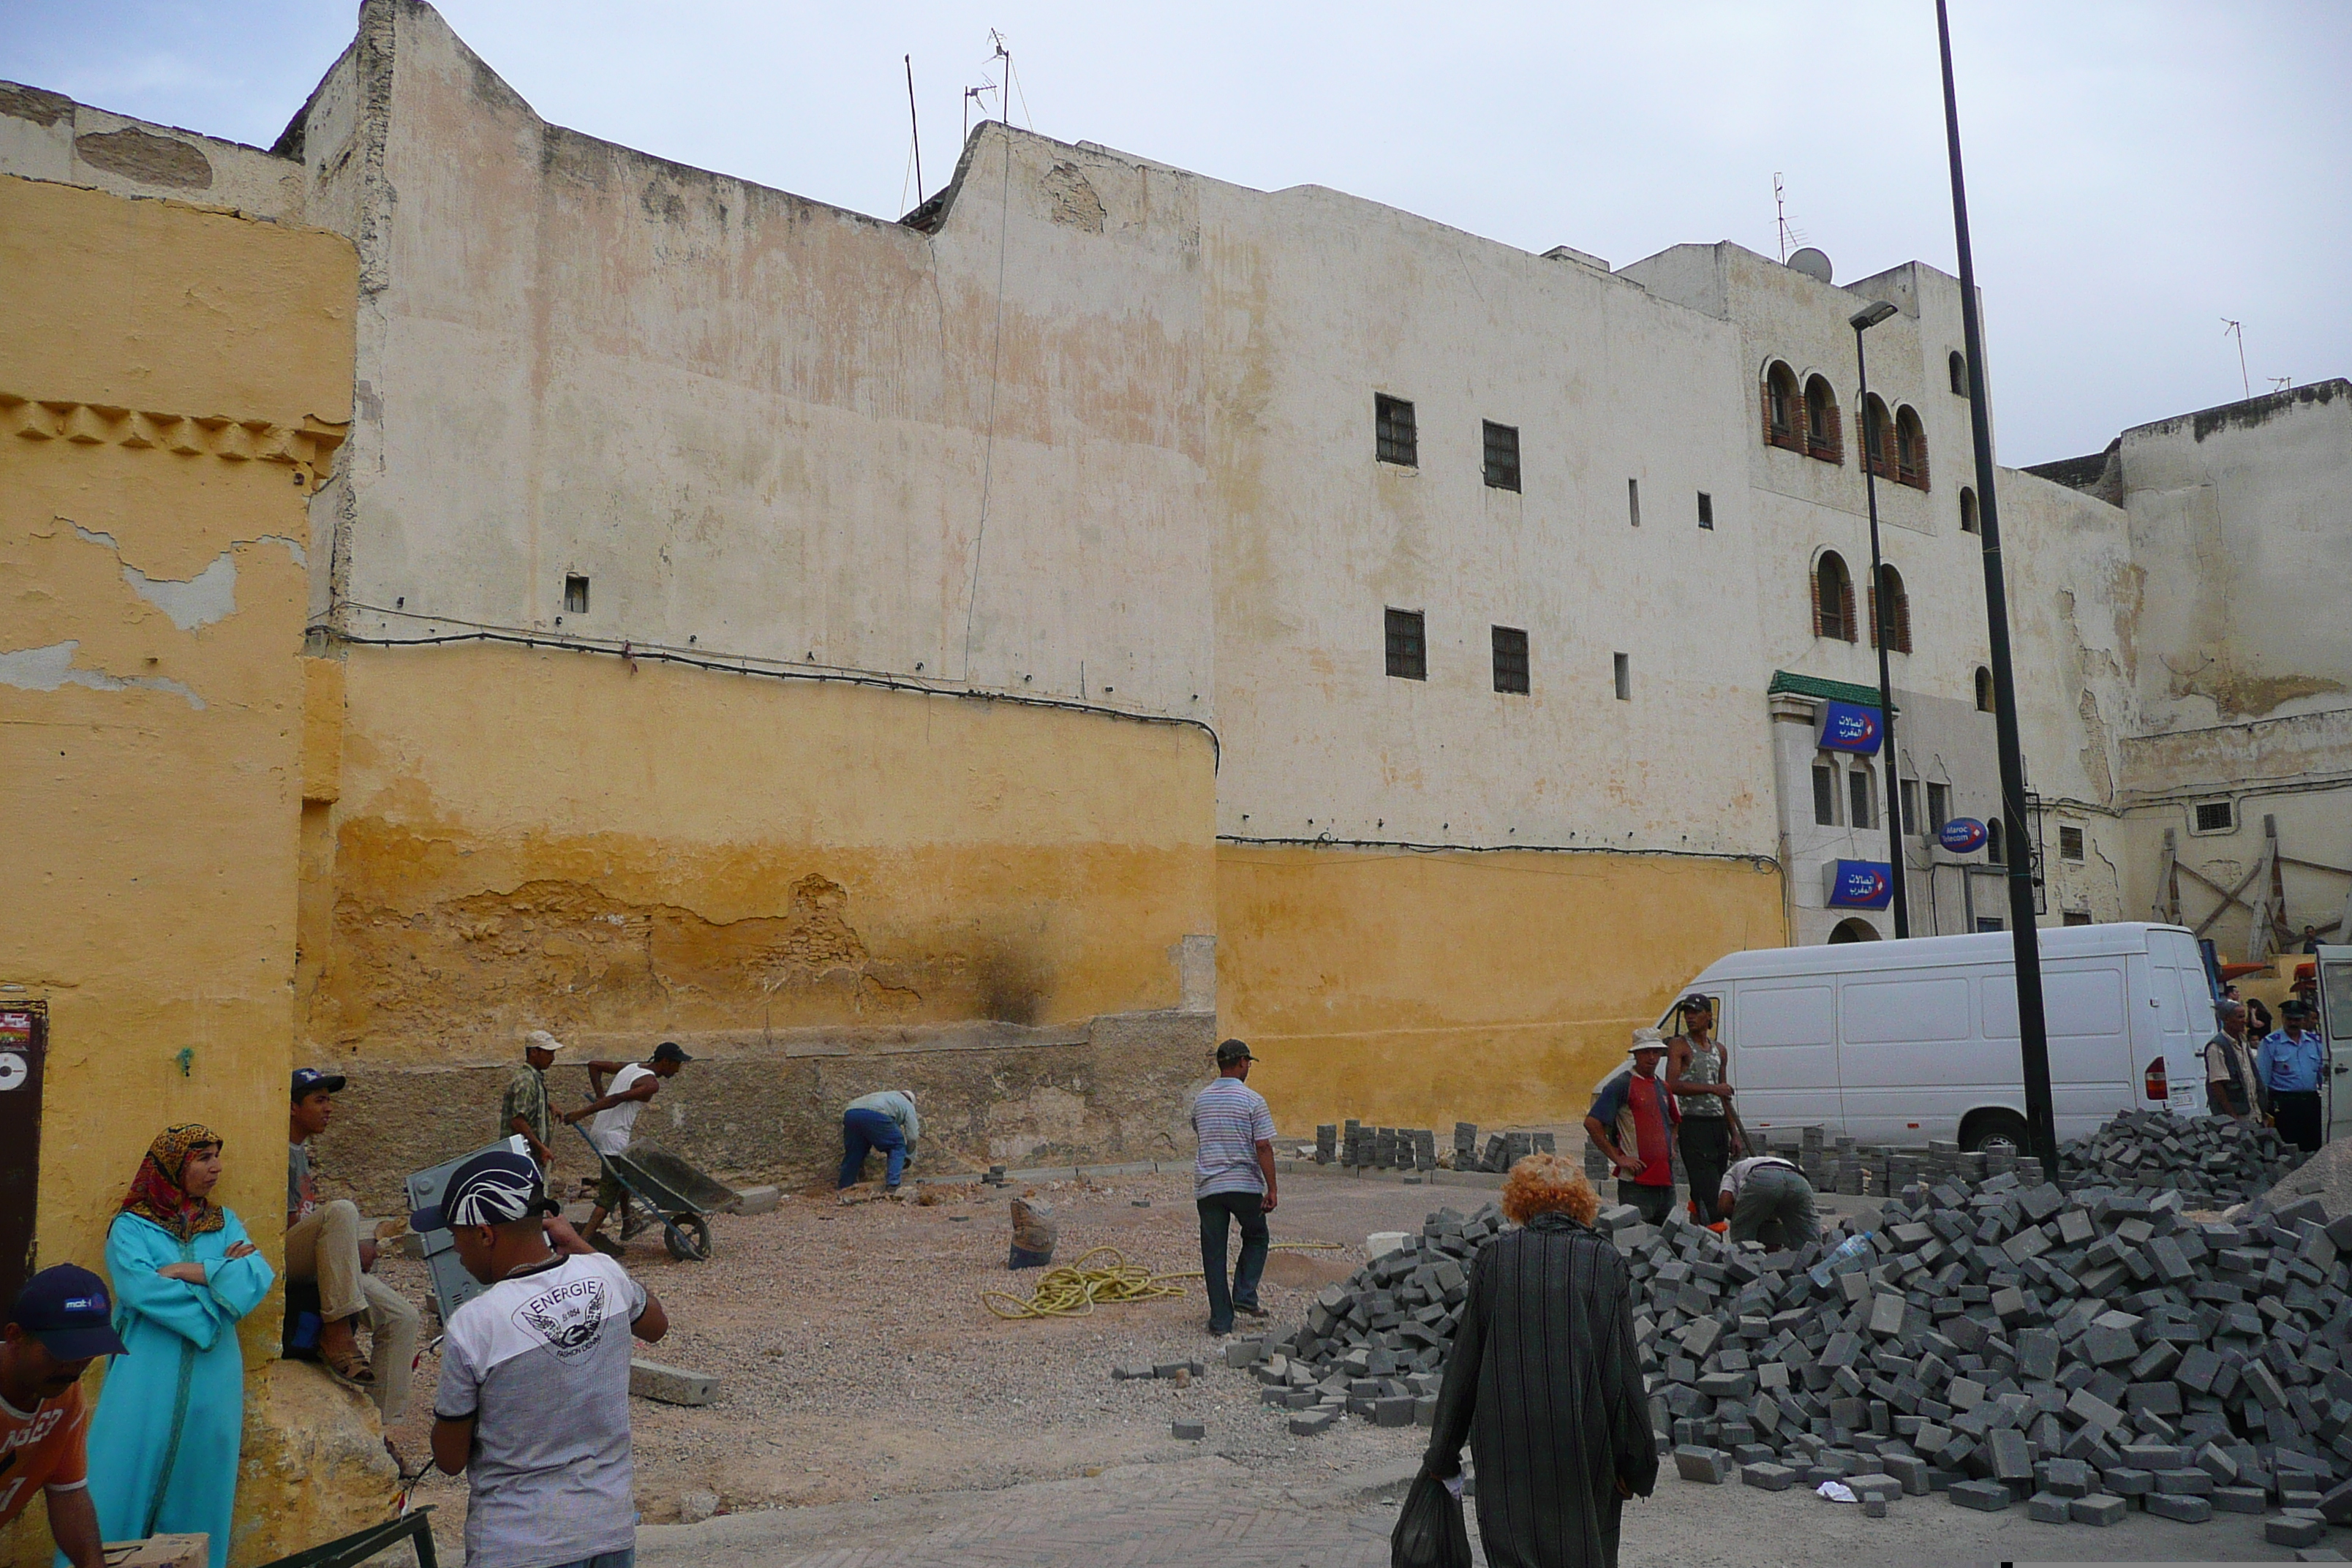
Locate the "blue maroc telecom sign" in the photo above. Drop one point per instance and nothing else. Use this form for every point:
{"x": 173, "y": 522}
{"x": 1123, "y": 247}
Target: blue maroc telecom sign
{"x": 1860, "y": 884}
{"x": 1961, "y": 834}
{"x": 1848, "y": 727}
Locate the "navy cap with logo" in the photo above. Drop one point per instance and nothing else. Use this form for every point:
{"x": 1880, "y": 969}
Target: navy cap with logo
{"x": 495, "y": 1187}
{"x": 309, "y": 1080}
{"x": 68, "y": 1309}
{"x": 671, "y": 1051}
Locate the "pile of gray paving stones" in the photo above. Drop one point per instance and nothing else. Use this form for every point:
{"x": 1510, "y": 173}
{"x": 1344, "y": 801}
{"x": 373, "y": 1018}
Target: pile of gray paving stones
{"x": 2214, "y": 1162}
{"x": 1375, "y": 1346}
{"x": 2083, "y": 1353}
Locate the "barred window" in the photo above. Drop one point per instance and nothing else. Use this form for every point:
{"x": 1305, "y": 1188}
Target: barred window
{"x": 1502, "y": 456}
{"x": 1393, "y": 432}
{"x": 2070, "y": 843}
{"x": 1408, "y": 650}
{"x": 1510, "y": 659}
{"x": 1824, "y": 795}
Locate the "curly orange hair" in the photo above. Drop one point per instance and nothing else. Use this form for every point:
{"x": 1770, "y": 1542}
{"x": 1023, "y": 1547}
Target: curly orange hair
{"x": 1546, "y": 1184}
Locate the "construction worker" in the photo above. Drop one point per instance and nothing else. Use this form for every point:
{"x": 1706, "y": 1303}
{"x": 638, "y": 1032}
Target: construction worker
{"x": 1768, "y": 1200}
{"x": 616, "y": 1110}
{"x": 525, "y": 1113}
{"x": 1696, "y": 1075}
{"x": 884, "y": 1120}
{"x": 1633, "y": 1121}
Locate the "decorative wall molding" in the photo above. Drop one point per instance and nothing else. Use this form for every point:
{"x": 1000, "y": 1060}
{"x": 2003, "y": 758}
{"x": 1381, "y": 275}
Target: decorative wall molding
{"x": 309, "y": 447}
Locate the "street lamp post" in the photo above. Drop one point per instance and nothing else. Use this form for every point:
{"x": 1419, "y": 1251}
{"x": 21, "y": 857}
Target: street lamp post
{"x": 2032, "y": 1031}
{"x": 1882, "y": 617}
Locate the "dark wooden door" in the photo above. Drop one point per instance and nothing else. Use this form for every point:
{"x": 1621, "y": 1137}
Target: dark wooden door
{"x": 24, "y": 1045}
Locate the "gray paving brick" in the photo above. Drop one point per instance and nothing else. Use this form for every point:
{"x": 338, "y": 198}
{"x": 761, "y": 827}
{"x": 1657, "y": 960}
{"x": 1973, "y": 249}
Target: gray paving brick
{"x": 2187, "y": 1510}
{"x": 2098, "y": 1509}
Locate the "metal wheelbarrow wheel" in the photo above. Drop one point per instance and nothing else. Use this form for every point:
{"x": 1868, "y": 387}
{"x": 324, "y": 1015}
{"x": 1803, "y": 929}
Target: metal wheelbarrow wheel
{"x": 687, "y": 1236}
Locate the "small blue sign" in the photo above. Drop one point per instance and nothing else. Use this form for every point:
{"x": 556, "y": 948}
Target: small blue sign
{"x": 1961, "y": 834}
{"x": 1861, "y": 885}
{"x": 1848, "y": 727}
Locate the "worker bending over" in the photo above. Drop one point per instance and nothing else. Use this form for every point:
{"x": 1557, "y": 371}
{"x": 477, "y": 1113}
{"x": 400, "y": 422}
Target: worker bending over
{"x": 885, "y": 1120}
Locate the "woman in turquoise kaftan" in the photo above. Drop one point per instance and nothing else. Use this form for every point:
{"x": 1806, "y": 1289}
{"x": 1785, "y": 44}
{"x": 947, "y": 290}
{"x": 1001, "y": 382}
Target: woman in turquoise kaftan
{"x": 171, "y": 1415}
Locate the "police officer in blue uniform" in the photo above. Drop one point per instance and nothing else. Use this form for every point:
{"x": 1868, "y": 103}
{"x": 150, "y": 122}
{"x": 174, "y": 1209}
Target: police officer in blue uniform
{"x": 2289, "y": 1066}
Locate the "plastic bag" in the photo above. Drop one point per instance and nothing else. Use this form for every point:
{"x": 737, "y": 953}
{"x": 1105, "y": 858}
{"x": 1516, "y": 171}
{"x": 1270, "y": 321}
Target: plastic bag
{"x": 1429, "y": 1529}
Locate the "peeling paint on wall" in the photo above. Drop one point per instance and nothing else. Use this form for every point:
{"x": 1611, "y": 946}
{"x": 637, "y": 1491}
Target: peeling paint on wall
{"x": 47, "y": 668}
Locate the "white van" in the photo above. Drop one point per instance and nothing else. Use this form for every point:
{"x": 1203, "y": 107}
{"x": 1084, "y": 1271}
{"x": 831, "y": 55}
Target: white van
{"x": 1900, "y": 1042}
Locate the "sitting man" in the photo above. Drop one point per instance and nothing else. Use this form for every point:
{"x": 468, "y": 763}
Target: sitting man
{"x": 323, "y": 1244}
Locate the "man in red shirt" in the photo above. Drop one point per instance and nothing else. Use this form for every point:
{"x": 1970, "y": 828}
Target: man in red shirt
{"x": 1632, "y": 1123}
{"x": 58, "y": 1325}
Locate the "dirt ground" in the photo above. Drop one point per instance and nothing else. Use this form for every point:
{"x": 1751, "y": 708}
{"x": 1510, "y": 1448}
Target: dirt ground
{"x": 857, "y": 1361}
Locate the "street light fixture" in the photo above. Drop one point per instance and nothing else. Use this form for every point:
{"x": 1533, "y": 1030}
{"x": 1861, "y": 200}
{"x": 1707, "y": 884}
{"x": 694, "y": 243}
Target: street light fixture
{"x": 1881, "y": 615}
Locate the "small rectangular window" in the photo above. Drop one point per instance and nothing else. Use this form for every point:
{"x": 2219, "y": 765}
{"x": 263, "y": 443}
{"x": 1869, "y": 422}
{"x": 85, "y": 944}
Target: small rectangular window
{"x": 2070, "y": 843}
{"x": 2215, "y": 816}
{"x": 1624, "y": 679}
{"x": 575, "y": 595}
{"x": 1911, "y": 806}
{"x": 1939, "y": 806}
{"x": 1825, "y": 796}
{"x": 1408, "y": 653}
{"x": 1502, "y": 456}
{"x": 1858, "y": 789}
{"x": 1633, "y": 501}
{"x": 1990, "y": 922}
{"x": 1510, "y": 659}
{"x": 1393, "y": 432}
{"x": 2076, "y": 918}
{"x": 1706, "y": 510}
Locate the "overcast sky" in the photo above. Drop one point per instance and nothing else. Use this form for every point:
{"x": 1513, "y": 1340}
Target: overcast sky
{"x": 2137, "y": 172}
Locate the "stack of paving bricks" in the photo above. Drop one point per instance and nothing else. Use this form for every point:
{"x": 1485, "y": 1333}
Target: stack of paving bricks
{"x": 2212, "y": 1160}
{"x": 1376, "y": 1346}
{"x": 1363, "y": 1147}
{"x": 2084, "y": 1354}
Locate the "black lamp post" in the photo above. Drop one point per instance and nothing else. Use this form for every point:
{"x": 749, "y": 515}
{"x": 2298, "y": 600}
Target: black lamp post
{"x": 2033, "y": 1035}
{"x": 1881, "y": 615}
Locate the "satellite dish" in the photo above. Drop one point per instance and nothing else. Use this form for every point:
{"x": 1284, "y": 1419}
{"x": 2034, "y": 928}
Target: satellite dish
{"x": 1812, "y": 263}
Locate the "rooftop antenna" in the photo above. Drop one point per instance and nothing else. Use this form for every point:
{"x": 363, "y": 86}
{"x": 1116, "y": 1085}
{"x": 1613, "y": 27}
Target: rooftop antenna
{"x": 971, "y": 95}
{"x": 1011, "y": 79}
{"x": 2238, "y": 329}
{"x": 915, "y": 122}
{"x": 2279, "y": 382}
{"x": 1792, "y": 235}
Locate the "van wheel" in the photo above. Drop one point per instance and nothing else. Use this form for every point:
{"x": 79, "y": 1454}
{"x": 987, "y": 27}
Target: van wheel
{"x": 1995, "y": 1133}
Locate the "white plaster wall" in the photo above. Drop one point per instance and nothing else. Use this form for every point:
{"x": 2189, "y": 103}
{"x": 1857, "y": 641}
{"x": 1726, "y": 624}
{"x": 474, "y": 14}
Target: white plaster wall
{"x": 43, "y": 136}
{"x": 1321, "y": 300}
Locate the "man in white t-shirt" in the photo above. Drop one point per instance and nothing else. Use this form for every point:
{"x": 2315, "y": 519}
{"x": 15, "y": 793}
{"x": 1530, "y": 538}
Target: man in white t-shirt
{"x": 533, "y": 1403}
{"x": 616, "y": 1110}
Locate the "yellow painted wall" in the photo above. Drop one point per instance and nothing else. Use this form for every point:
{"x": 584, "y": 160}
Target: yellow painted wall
{"x": 1419, "y": 989}
{"x": 529, "y": 838}
{"x": 169, "y": 380}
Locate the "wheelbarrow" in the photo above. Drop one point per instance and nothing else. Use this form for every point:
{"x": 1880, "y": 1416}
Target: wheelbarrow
{"x": 672, "y": 1192}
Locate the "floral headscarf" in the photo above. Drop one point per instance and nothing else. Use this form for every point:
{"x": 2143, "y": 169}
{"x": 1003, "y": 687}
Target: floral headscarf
{"x": 156, "y": 1194}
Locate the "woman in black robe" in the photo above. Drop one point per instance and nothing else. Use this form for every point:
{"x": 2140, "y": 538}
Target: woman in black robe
{"x": 1544, "y": 1383}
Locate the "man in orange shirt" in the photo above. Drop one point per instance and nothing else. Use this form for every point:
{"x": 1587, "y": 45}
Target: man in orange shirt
{"x": 60, "y": 1324}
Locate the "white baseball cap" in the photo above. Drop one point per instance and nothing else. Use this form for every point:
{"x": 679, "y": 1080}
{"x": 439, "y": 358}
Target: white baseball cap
{"x": 539, "y": 1039}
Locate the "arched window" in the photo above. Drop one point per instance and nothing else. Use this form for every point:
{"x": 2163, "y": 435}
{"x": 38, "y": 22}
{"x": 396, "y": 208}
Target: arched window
{"x": 1984, "y": 690}
{"x": 1969, "y": 521}
{"x": 1960, "y": 367}
{"x": 1824, "y": 437}
{"x": 1783, "y": 417}
{"x": 1910, "y": 449}
{"x": 1877, "y": 437}
{"x": 1832, "y": 598}
{"x": 1855, "y": 929}
{"x": 1898, "y": 618}
{"x": 1993, "y": 853}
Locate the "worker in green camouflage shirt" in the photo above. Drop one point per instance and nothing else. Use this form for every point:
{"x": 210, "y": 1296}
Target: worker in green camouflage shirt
{"x": 525, "y": 1113}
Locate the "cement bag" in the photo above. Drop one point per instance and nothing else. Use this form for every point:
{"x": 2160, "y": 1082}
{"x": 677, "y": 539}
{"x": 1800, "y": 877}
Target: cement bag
{"x": 1034, "y": 1233}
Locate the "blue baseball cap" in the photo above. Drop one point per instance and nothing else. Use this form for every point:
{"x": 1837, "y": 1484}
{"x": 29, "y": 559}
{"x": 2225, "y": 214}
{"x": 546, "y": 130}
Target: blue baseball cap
{"x": 68, "y": 1311}
{"x": 309, "y": 1080}
{"x": 496, "y": 1186}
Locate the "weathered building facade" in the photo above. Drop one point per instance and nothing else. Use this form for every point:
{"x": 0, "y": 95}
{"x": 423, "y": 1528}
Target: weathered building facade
{"x": 996, "y": 652}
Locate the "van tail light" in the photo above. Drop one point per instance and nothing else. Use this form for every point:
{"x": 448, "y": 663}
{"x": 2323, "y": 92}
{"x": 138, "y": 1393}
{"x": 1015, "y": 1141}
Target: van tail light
{"x": 2158, "y": 1088}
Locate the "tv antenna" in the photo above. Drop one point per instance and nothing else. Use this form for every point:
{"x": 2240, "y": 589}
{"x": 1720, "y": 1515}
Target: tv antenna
{"x": 2238, "y": 331}
{"x": 2279, "y": 382}
{"x": 1792, "y": 237}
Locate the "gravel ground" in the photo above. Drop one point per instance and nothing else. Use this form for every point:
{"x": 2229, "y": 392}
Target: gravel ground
{"x": 858, "y": 1363}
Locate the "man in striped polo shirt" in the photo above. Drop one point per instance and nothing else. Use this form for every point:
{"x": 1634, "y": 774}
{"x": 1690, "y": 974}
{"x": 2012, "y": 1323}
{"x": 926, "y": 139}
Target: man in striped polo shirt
{"x": 1233, "y": 1179}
